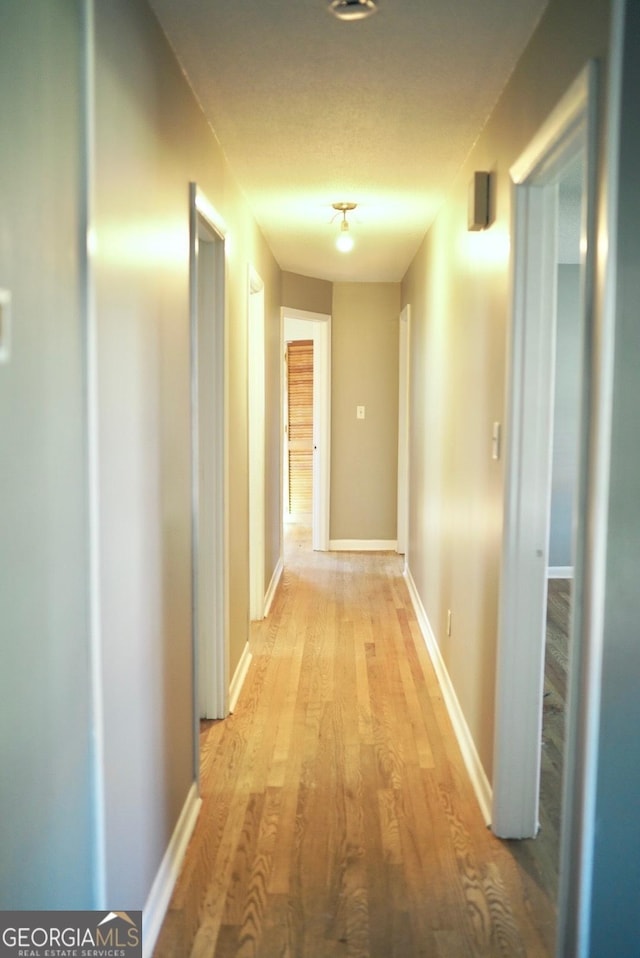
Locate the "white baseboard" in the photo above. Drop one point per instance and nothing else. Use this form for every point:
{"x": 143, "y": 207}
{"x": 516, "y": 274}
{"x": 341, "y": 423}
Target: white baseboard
{"x": 157, "y": 903}
{"x": 560, "y": 572}
{"x": 273, "y": 586}
{"x": 239, "y": 676}
{"x": 363, "y": 545}
{"x": 476, "y": 772}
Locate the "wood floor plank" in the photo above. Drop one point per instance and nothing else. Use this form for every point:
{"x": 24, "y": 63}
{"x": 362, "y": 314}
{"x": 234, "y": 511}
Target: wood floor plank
{"x": 412, "y": 698}
{"x": 377, "y": 838}
{"x": 255, "y": 899}
{"x": 220, "y": 880}
{"x": 389, "y": 826}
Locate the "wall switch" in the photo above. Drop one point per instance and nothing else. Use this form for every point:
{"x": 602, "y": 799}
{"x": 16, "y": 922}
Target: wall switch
{"x": 495, "y": 440}
{"x": 5, "y": 325}
{"x": 448, "y": 621}
{"x": 359, "y": 412}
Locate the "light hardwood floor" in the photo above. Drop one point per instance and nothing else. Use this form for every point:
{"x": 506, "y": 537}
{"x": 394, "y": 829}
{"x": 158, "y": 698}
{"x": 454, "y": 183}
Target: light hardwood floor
{"x": 337, "y": 817}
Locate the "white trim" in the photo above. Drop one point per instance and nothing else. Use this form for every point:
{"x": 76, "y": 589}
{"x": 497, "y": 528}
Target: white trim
{"x": 239, "y": 676}
{"x": 273, "y": 586}
{"x": 527, "y": 506}
{"x": 560, "y": 572}
{"x": 256, "y": 440}
{"x": 5, "y": 325}
{"x": 477, "y": 775}
{"x": 321, "y": 419}
{"x": 93, "y": 463}
{"x": 156, "y": 905}
{"x": 363, "y": 545}
{"x": 564, "y": 125}
{"x": 210, "y": 650}
{"x": 211, "y": 214}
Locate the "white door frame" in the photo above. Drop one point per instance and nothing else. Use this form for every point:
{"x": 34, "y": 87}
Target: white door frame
{"x": 404, "y": 408}
{"x": 209, "y": 468}
{"x": 321, "y": 419}
{"x": 520, "y": 664}
{"x": 257, "y": 454}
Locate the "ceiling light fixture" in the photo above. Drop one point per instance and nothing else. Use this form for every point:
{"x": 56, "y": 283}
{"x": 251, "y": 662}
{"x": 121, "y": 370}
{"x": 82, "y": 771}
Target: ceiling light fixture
{"x": 352, "y": 9}
{"x": 344, "y": 241}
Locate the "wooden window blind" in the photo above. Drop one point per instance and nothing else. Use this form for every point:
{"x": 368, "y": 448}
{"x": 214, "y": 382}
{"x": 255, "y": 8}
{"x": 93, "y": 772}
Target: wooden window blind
{"x": 300, "y": 419}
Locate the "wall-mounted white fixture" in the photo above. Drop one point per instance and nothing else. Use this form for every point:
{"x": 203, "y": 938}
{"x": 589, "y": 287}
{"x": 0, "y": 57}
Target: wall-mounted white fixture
{"x": 5, "y": 325}
{"x": 352, "y": 9}
{"x": 344, "y": 241}
{"x": 478, "y": 201}
{"x": 359, "y": 412}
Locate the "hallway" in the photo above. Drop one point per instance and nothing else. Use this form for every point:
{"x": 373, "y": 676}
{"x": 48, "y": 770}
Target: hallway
{"x": 337, "y": 818}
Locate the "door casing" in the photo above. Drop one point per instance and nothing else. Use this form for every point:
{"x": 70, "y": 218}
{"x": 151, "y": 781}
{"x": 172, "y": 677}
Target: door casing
{"x": 529, "y": 405}
{"x": 321, "y": 335}
{"x": 208, "y": 404}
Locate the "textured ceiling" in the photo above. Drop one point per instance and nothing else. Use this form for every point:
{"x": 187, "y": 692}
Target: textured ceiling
{"x": 383, "y": 112}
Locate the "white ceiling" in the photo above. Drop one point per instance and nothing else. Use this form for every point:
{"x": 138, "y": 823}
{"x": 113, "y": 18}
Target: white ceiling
{"x": 383, "y": 112}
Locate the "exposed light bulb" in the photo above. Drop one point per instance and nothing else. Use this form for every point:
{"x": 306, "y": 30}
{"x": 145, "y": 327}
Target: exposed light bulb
{"x": 344, "y": 242}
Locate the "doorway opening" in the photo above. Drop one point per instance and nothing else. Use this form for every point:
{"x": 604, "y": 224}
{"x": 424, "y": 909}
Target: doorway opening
{"x": 566, "y": 415}
{"x": 312, "y": 464}
{"x": 564, "y": 383}
{"x": 564, "y": 146}
{"x": 209, "y": 537}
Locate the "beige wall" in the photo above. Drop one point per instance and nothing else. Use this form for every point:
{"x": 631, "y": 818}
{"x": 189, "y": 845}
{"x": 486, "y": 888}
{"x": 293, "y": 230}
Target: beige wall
{"x": 305, "y": 292}
{"x": 364, "y": 371}
{"x": 458, "y": 288}
{"x": 151, "y": 141}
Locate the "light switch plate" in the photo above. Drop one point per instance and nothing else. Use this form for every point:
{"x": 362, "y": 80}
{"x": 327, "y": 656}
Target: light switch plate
{"x": 5, "y": 325}
{"x": 359, "y": 412}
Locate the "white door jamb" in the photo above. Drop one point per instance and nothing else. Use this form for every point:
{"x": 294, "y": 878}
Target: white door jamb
{"x": 209, "y": 488}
